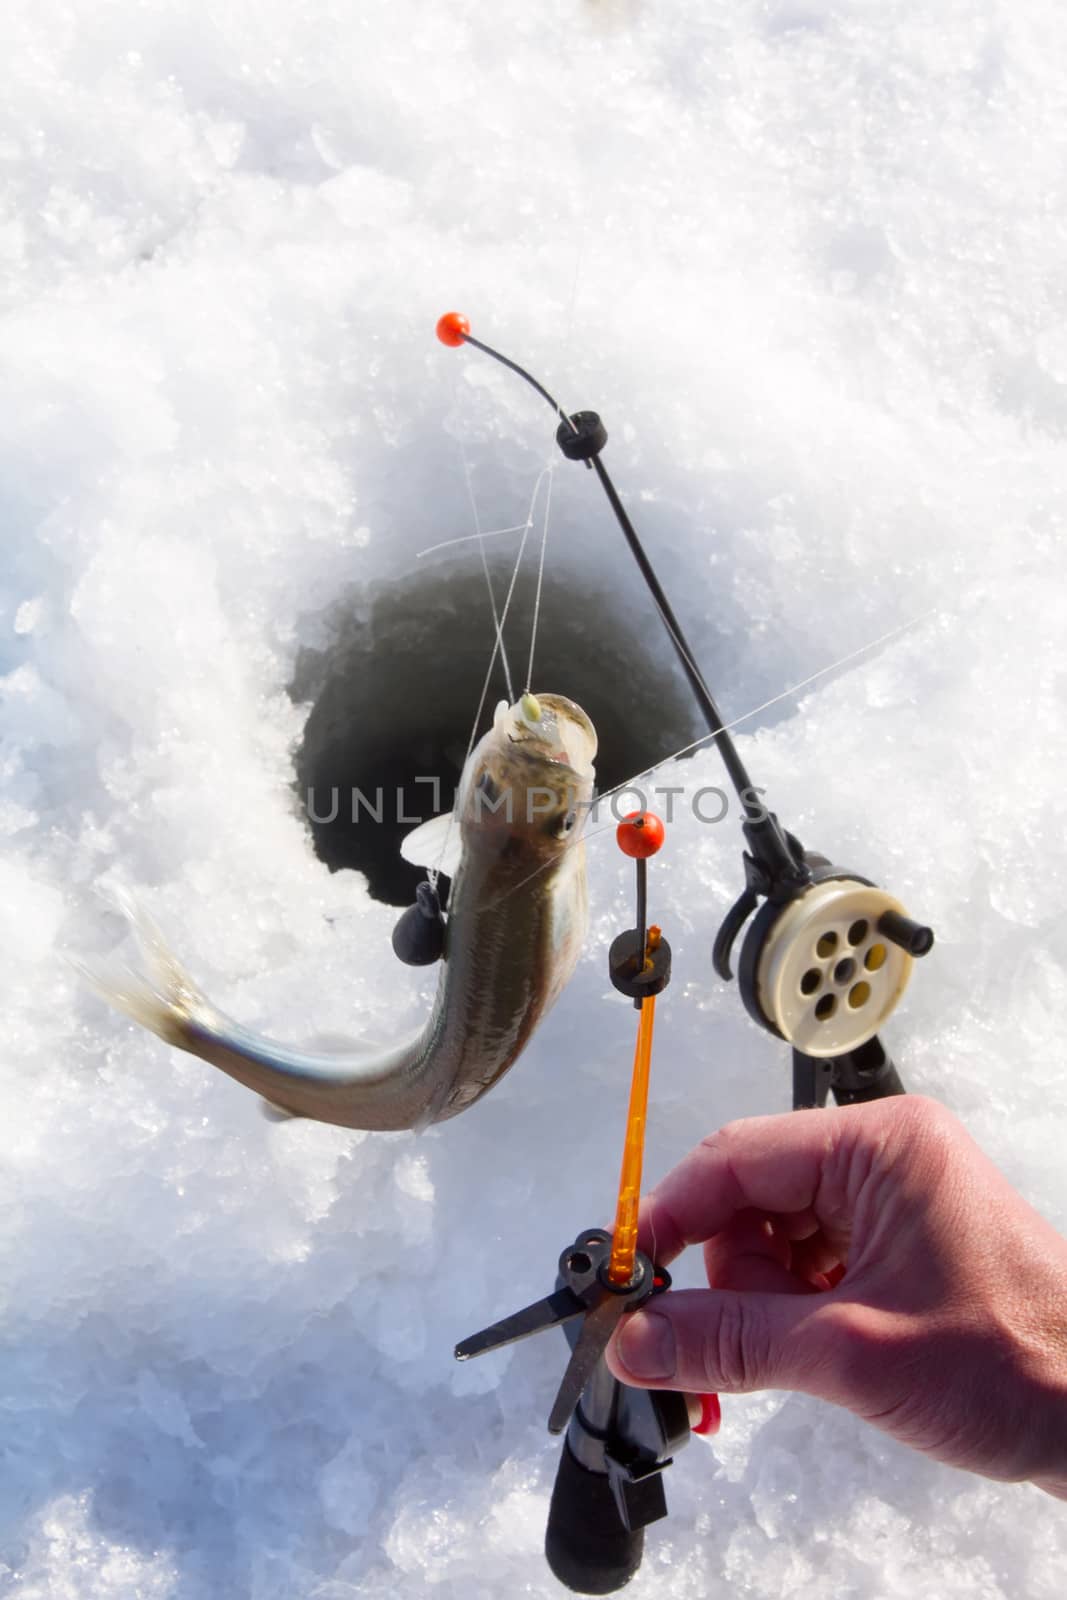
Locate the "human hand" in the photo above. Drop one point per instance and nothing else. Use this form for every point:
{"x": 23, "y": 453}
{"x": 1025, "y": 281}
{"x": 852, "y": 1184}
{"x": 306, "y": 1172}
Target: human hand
{"x": 873, "y": 1256}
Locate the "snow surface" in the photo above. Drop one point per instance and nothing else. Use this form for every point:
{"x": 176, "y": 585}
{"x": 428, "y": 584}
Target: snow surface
{"x": 806, "y": 259}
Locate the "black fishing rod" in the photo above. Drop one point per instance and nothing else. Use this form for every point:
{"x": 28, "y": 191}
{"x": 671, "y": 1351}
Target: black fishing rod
{"x": 824, "y": 962}
{"x": 582, "y": 437}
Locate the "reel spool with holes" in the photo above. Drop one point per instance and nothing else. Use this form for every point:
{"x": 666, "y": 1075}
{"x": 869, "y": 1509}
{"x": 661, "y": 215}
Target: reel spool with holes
{"x": 820, "y": 970}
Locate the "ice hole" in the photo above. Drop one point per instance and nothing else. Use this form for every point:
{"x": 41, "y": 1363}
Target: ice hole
{"x": 394, "y": 691}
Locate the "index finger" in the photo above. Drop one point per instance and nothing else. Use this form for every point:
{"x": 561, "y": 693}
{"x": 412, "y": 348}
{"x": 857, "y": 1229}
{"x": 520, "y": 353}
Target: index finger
{"x": 775, "y": 1164}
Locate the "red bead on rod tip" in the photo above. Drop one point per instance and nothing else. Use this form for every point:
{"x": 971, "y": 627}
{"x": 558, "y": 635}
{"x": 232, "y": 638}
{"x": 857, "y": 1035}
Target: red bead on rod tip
{"x": 453, "y": 328}
{"x": 640, "y": 834}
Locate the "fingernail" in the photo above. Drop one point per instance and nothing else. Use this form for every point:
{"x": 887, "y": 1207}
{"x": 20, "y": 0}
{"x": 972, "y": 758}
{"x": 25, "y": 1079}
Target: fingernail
{"x": 646, "y": 1345}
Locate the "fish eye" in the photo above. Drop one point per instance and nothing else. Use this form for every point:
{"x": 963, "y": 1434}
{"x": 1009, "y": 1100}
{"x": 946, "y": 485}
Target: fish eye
{"x": 566, "y": 823}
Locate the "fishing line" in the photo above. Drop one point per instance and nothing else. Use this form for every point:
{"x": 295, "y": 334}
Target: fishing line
{"x": 569, "y": 326}
{"x": 795, "y": 688}
{"x": 434, "y": 872}
{"x": 497, "y": 621}
{"x": 566, "y": 422}
{"x": 540, "y": 581}
{"x": 468, "y": 538}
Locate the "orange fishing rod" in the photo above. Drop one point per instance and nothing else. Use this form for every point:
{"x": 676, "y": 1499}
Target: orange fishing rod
{"x": 643, "y": 963}
{"x": 624, "y": 1238}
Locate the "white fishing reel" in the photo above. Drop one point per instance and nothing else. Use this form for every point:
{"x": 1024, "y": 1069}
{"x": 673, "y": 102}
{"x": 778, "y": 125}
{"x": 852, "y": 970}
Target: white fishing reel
{"x": 827, "y": 955}
{"x": 828, "y": 968}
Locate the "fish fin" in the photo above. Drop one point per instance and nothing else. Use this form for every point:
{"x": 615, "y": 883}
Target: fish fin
{"x": 437, "y": 844}
{"x": 274, "y": 1113}
{"x": 162, "y": 998}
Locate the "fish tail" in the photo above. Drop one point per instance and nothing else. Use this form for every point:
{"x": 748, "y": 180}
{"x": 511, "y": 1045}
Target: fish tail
{"x": 162, "y": 997}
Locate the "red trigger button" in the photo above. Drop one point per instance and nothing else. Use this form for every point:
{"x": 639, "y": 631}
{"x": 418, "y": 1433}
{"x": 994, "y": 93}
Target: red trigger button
{"x": 710, "y": 1415}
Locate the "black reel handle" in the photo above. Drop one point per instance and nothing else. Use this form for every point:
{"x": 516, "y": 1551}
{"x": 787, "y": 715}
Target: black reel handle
{"x": 586, "y": 1544}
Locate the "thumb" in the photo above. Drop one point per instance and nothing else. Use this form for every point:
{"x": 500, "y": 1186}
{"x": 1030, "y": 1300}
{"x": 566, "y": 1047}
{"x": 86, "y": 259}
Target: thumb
{"x": 720, "y": 1339}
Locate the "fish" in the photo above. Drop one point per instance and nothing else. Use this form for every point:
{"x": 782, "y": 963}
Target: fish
{"x": 516, "y": 919}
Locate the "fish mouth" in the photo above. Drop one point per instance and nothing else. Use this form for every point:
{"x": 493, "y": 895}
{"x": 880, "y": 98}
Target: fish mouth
{"x": 523, "y": 764}
{"x": 540, "y": 753}
{"x": 536, "y": 771}
{"x": 532, "y": 766}
{"x": 552, "y": 729}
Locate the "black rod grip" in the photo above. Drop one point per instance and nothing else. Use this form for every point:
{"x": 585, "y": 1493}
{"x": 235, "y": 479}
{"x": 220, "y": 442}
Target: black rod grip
{"x": 586, "y": 1545}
